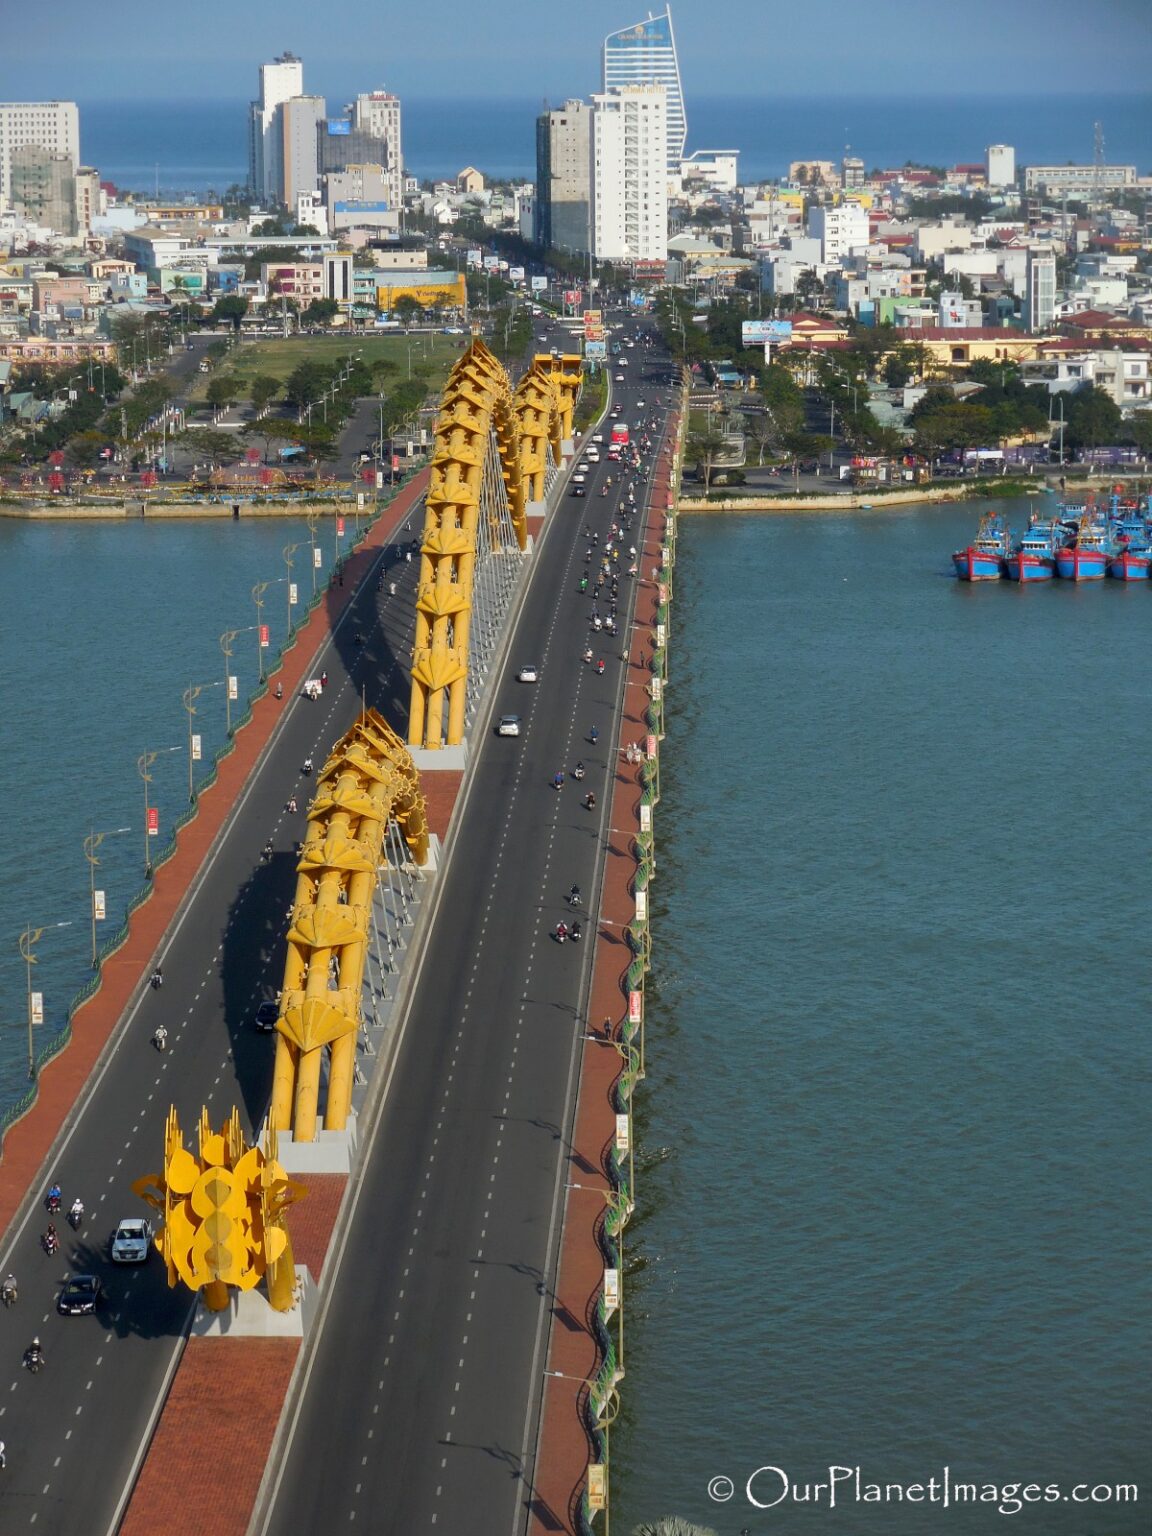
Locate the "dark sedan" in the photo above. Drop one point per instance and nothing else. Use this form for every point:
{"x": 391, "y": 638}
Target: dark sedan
{"x": 79, "y": 1296}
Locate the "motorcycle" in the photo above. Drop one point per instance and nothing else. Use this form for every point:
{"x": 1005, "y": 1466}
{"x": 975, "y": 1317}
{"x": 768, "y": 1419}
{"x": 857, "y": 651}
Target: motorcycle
{"x": 599, "y": 669}
{"x": 574, "y": 933}
{"x": 51, "y": 1243}
{"x": 593, "y": 735}
{"x": 52, "y": 1202}
{"x": 560, "y": 932}
{"x": 589, "y": 801}
{"x": 160, "y": 1038}
{"x": 8, "y": 1293}
{"x": 588, "y": 656}
{"x": 306, "y": 768}
{"x": 558, "y": 781}
{"x": 75, "y": 1216}
{"x": 279, "y": 690}
{"x": 34, "y": 1358}
{"x": 156, "y": 980}
{"x": 578, "y": 772}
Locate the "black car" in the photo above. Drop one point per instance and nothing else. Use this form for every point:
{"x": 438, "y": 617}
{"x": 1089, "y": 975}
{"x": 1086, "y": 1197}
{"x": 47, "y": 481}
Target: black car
{"x": 79, "y": 1296}
{"x": 266, "y": 1016}
{"x": 577, "y": 490}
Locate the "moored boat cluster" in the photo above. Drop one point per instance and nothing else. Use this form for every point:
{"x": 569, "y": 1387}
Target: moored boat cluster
{"x": 1078, "y": 543}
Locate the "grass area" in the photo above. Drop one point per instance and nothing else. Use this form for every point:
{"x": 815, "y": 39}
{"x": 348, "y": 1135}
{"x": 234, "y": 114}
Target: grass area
{"x": 278, "y": 356}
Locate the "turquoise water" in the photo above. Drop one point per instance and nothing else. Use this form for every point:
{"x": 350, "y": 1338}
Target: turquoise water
{"x": 104, "y": 625}
{"x": 897, "y": 1122}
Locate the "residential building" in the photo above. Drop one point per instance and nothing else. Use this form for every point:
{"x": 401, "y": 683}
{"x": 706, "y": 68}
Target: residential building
{"x": 280, "y": 81}
{"x": 628, "y": 157}
{"x": 1039, "y": 290}
{"x": 563, "y": 178}
{"x": 852, "y": 173}
{"x": 299, "y": 117}
{"x": 469, "y": 180}
{"x": 840, "y": 230}
{"x": 1000, "y": 165}
{"x": 1125, "y": 376}
{"x": 306, "y": 281}
{"x": 53, "y": 126}
{"x": 717, "y": 168}
{"x": 90, "y": 198}
{"x": 645, "y": 54}
{"x": 813, "y": 173}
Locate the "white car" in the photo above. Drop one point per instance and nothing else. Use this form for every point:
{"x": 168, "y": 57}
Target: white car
{"x": 508, "y": 725}
{"x": 131, "y": 1240}
{"x": 528, "y": 675}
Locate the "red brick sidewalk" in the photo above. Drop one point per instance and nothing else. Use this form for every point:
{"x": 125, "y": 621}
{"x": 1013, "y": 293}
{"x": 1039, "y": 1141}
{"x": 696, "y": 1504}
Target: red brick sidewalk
{"x": 564, "y": 1450}
{"x": 63, "y": 1079}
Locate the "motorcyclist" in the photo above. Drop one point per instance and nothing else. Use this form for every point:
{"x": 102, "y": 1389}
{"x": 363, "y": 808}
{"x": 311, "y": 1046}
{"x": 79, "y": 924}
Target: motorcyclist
{"x": 8, "y": 1290}
{"x": 593, "y": 735}
{"x": 160, "y": 1038}
{"x": 574, "y": 896}
{"x": 578, "y": 771}
{"x": 561, "y": 931}
{"x": 590, "y": 801}
{"x": 576, "y": 932}
{"x": 307, "y": 766}
{"x": 76, "y": 1211}
{"x": 266, "y": 852}
{"x": 158, "y": 978}
{"x": 558, "y": 781}
{"x": 279, "y": 690}
{"x": 35, "y": 1354}
{"x": 588, "y": 653}
{"x": 600, "y": 667}
{"x": 54, "y": 1198}
{"x": 291, "y": 806}
{"x": 51, "y": 1238}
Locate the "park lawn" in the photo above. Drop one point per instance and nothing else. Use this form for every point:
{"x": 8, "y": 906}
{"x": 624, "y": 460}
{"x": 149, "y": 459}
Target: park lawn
{"x": 277, "y": 357}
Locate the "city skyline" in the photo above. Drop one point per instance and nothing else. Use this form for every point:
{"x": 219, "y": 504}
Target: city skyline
{"x": 1029, "y": 48}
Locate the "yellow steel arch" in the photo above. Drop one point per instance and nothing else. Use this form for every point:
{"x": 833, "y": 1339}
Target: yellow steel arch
{"x": 477, "y": 406}
{"x": 368, "y": 780}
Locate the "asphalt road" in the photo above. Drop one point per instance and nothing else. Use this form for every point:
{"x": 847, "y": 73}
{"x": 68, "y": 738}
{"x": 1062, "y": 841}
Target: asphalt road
{"x": 420, "y": 1404}
{"x": 425, "y": 1386}
{"x": 73, "y": 1432}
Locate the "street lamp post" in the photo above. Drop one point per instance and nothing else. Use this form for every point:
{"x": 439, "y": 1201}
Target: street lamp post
{"x": 91, "y": 843}
{"x": 311, "y": 520}
{"x": 289, "y": 551}
{"x": 28, "y": 938}
{"x": 191, "y": 694}
{"x": 258, "y": 592}
{"x": 144, "y": 766}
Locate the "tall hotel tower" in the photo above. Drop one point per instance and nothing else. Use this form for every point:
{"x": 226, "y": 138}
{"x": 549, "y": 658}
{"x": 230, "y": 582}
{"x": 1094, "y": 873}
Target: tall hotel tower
{"x": 646, "y": 55}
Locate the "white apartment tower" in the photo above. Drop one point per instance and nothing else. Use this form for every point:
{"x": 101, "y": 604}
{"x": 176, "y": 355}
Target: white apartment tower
{"x": 645, "y": 54}
{"x": 53, "y": 126}
{"x": 279, "y": 82}
{"x": 1039, "y": 289}
{"x": 628, "y": 155}
{"x": 840, "y": 231}
{"x": 298, "y": 117}
{"x": 1001, "y": 165}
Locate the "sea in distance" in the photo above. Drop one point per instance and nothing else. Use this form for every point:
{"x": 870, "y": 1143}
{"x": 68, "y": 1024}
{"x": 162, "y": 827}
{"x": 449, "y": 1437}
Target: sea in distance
{"x": 184, "y": 148}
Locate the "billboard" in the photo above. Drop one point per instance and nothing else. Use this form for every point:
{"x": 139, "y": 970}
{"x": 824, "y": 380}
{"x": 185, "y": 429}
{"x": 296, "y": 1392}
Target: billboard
{"x": 473, "y": 257}
{"x": 516, "y": 274}
{"x": 754, "y": 333}
{"x": 573, "y": 297}
{"x": 593, "y": 324}
{"x": 596, "y": 351}
{"x": 339, "y": 127}
{"x": 539, "y": 284}
{"x": 491, "y": 263}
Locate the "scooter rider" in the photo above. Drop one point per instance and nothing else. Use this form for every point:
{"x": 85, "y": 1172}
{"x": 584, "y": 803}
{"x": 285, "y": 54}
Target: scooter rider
{"x": 8, "y": 1291}
{"x": 160, "y": 1038}
{"x": 76, "y": 1211}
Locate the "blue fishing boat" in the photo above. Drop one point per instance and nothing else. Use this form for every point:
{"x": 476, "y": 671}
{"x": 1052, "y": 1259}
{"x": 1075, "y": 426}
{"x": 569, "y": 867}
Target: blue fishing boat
{"x": 1086, "y": 554}
{"x": 983, "y": 559}
{"x": 1033, "y": 557}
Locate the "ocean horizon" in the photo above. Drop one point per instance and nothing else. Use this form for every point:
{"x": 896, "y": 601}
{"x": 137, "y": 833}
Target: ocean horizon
{"x": 183, "y": 148}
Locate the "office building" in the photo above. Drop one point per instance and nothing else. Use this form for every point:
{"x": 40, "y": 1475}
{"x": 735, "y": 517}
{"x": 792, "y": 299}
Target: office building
{"x": 629, "y": 167}
{"x": 645, "y": 54}
{"x": 1039, "y": 290}
{"x": 279, "y": 82}
{"x": 53, "y": 126}
{"x": 1078, "y": 180}
{"x": 563, "y": 178}
{"x": 368, "y": 135}
{"x": 1000, "y": 165}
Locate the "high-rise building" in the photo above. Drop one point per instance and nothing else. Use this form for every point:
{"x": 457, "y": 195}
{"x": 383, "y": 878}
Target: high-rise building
{"x": 840, "y": 230}
{"x": 1039, "y": 289}
{"x": 279, "y": 82}
{"x": 298, "y": 119}
{"x": 44, "y": 188}
{"x": 1001, "y": 165}
{"x": 563, "y": 178}
{"x": 53, "y": 126}
{"x": 367, "y": 136}
{"x": 628, "y": 156}
{"x": 645, "y": 54}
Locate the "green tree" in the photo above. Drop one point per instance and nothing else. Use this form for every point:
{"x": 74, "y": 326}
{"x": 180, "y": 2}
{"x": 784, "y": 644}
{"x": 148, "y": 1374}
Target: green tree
{"x": 214, "y": 446}
{"x": 307, "y": 382}
{"x": 231, "y": 307}
{"x": 320, "y": 312}
{"x": 1092, "y": 419}
{"x": 1139, "y": 431}
{"x": 86, "y": 448}
{"x": 407, "y": 308}
{"x": 223, "y": 391}
{"x": 705, "y": 448}
{"x": 262, "y": 391}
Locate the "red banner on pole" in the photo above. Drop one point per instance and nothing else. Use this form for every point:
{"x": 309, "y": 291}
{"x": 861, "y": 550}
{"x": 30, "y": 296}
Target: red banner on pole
{"x": 263, "y": 637}
{"x": 339, "y": 527}
{"x": 153, "y": 821}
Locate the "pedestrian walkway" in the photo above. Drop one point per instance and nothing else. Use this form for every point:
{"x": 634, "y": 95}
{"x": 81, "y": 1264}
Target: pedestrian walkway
{"x": 564, "y": 1448}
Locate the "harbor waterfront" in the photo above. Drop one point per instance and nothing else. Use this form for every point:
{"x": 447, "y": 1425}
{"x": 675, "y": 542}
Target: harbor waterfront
{"x": 894, "y": 1134}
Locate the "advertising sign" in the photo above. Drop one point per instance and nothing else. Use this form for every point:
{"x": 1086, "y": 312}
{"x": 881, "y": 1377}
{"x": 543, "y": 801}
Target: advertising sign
{"x": 195, "y": 748}
{"x": 516, "y": 274}
{"x": 754, "y": 333}
{"x": 317, "y": 557}
{"x": 597, "y": 1486}
{"x": 596, "y": 351}
{"x": 635, "y": 1007}
{"x": 623, "y": 1132}
{"x": 538, "y": 284}
{"x": 153, "y": 821}
{"x": 573, "y": 297}
{"x": 264, "y": 637}
{"x": 37, "y": 1007}
{"x": 291, "y": 594}
{"x": 611, "y": 1290}
{"x": 491, "y": 263}
{"x": 98, "y": 909}
{"x": 473, "y": 257}
{"x": 594, "y": 323}
{"x": 339, "y": 527}
{"x": 233, "y": 687}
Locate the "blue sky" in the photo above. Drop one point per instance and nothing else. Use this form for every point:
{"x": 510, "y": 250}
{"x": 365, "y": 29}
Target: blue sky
{"x": 137, "y": 49}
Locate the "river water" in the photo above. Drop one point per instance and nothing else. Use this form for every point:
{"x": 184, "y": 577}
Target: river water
{"x": 104, "y": 625}
{"x": 896, "y": 1129}
{"x": 896, "y": 1126}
